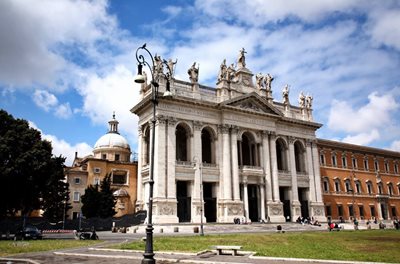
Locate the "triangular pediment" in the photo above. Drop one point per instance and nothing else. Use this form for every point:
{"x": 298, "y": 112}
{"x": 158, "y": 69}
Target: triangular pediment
{"x": 252, "y": 102}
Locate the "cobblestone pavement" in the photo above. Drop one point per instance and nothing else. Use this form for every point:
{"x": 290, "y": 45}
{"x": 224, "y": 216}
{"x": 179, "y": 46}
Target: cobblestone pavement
{"x": 101, "y": 254}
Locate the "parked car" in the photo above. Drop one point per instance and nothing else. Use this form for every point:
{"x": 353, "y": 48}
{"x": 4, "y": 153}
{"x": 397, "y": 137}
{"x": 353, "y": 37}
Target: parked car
{"x": 29, "y": 232}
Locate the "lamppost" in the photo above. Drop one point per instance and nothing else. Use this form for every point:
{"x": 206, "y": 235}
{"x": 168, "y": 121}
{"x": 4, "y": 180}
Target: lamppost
{"x": 156, "y": 71}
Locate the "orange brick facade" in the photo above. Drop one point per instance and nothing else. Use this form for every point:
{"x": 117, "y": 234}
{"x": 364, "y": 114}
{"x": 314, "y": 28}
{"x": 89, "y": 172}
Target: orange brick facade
{"x": 359, "y": 181}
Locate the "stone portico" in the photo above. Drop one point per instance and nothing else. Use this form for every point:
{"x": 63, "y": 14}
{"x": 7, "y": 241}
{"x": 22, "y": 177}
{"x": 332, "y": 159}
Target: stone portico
{"x": 229, "y": 151}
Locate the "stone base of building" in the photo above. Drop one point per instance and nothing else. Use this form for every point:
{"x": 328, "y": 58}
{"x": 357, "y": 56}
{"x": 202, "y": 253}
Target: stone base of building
{"x": 165, "y": 211}
{"x": 228, "y": 210}
{"x": 318, "y": 211}
{"x": 198, "y": 212}
{"x": 275, "y": 212}
{"x": 296, "y": 210}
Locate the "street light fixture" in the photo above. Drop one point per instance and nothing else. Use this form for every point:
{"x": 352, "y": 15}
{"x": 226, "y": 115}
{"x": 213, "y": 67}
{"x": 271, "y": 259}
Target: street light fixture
{"x": 148, "y": 256}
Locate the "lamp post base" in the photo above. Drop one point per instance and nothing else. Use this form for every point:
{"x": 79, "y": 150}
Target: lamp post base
{"x": 148, "y": 256}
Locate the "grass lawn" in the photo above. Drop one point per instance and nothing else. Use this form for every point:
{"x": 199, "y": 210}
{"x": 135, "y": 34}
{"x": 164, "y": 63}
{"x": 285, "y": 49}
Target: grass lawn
{"x": 371, "y": 245}
{"x": 9, "y": 247}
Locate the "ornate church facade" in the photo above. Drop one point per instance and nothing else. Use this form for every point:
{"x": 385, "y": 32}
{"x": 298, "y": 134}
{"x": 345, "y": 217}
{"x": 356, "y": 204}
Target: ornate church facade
{"x": 229, "y": 151}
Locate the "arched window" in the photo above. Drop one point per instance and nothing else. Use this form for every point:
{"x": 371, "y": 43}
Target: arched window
{"x": 182, "y": 143}
{"x": 281, "y": 157}
{"x": 326, "y": 184}
{"x": 249, "y": 150}
{"x": 348, "y": 186}
{"x": 380, "y": 188}
{"x": 390, "y": 189}
{"x": 369, "y": 187}
{"x": 299, "y": 157}
{"x": 358, "y": 186}
{"x": 337, "y": 185}
{"x": 207, "y": 146}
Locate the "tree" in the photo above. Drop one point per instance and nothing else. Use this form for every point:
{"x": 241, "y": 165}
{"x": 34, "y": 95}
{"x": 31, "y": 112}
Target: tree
{"x": 97, "y": 203}
{"x": 27, "y": 168}
{"x": 107, "y": 199}
{"x": 57, "y": 192}
{"x": 90, "y": 201}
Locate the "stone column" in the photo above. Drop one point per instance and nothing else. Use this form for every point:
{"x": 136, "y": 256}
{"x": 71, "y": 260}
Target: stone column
{"x": 245, "y": 199}
{"x": 262, "y": 199}
{"x": 235, "y": 164}
{"x": 275, "y": 209}
{"x": 267, "y": 166}
{"x": 274, "y": 163}
{"x": 139, "y": 185}
{"x": 310, "y": 169}
{"x": 197, "y": 158}
{"x": 295, "y": 193}
{"x": 160, "y": 159}
{"x": 317, "y": 207}
{"x": 171, "y": 146}
{"x": 226, "y": 164}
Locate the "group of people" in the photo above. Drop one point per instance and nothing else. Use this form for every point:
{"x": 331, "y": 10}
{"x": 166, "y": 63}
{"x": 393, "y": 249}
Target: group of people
{"x": 307, "y": 220}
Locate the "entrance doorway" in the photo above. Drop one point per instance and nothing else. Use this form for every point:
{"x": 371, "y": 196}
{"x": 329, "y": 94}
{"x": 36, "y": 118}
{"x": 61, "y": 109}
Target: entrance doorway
{"x": 252, "y": 190}
{"x": 210, "y": 203}
{"x": 184, "y": 201}
{"x": 284, "y": 197}
{"x": 303, "y": 202}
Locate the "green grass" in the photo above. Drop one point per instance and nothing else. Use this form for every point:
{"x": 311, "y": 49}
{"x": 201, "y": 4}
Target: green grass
{"x": 9, "y": 247}
{"x": 373, "y": 245}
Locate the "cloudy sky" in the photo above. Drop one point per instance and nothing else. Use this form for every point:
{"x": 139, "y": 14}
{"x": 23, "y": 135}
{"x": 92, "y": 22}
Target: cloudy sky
{"x": 66, "y": 65}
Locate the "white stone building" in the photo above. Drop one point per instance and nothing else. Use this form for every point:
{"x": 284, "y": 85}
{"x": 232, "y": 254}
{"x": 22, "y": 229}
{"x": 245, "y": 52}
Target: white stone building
{"x": 231, "y": 147}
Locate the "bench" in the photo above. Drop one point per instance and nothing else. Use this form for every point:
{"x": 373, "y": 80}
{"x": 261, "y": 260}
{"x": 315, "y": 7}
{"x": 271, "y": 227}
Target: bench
{"x": 234, "y": 249}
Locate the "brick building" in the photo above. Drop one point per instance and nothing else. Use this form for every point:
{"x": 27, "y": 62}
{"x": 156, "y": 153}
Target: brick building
{"x": 359, "y": 181}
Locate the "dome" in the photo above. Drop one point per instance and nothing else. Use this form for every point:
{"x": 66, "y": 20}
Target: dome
{"x": 112, "y": 140}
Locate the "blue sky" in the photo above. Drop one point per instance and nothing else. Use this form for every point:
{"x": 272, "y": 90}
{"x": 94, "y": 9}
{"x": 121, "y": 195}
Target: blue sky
{"x": 67, "y": 65}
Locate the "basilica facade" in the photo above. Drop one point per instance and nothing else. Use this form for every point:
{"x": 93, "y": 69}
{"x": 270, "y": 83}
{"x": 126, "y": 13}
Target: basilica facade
{"x": 229, "y": 151}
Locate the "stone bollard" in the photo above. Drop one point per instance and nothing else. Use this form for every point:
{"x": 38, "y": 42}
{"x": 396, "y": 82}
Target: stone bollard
{"x": 196, "y": 229}
{"x": 176, "y": 229}
{"x": 161, "y": 230}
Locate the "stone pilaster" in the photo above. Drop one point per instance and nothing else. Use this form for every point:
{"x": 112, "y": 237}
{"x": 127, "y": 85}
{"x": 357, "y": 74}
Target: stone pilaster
{"x": 295, "y": 195}
{"x": 139, "y": 185}
{"x": 235, "y": 164}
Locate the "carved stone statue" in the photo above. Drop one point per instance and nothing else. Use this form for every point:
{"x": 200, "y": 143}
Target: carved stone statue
{"x": 259, "y": 80}
{"x": 267, "y": 81}
{"x": 158, "y": 65}
{"x": 193, "y": 73}
{"x": 230, "y": 72}
{"x": 171, "y": 66}
{"x": 241, "y": 63}
{"x": 222, "y": 71}
{"x": 285, "y": 94}
{"x": 309, "y": 100}
{"x": 302, "y": 100}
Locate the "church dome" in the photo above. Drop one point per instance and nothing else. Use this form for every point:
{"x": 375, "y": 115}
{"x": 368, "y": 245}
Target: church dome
{"x": 112, "y": 140}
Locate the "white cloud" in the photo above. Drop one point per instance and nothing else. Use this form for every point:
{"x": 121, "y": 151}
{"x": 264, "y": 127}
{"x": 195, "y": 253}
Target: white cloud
{"x": 395, "y": 145}
{"x": 63, "y": 111}
{"x": 377, "y": 113}
{"x": 116, "y": 91}
{"x": 363, "y": 138}
{"x": 44, "y": 99}
{"x": 63, "y": 148}
{"x": 38, "y": 40}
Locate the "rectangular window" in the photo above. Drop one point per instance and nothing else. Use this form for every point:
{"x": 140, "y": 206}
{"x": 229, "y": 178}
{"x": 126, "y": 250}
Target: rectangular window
{"x": 394, "y": 212}
{"x": 396, "y": 168}
{"x": 104, "y": 156}
{"x": 376, "y": 165}
{"x": 77, "y": 180}
{"x": 75, "y": 215}
{"x": 337, "y": 186}
{"x": 340, "y": 210}
{"x": 380, "y": 189}
{"x": 358, "y": 187}
{"x": 344, "y": 162}
{"x": 354, "y": 161}
{"x": 116, "y": 157}
{"x": 366, "y": 164}
{"x": 361, "y": 209}
{"x": 386, "y": 167}
{"x": 96, "y": 181}
{"x": 77, "y": 196}
{"x": 328, "y": 210}
{"x": 348, "y": 186}
{"x": 322, "y": 159}
{"x": 390, "y": 189}
{"x": 334, "y": 163}
{"x": 372, "y": 211}
{"x": 119, "y": 177}
{"x": 369, "y": 188}
{"x": 326, "y": 186}
{"x": 351, "y": 210}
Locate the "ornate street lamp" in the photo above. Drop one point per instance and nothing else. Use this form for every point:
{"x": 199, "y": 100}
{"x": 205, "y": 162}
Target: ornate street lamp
{"x": 156, "y": 70}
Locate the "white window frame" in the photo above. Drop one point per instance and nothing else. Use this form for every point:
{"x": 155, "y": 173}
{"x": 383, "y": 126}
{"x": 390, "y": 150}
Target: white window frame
{"x": 344, "y": 161}
{"x": 334, "y": 160}
{"x": 77, "y": 180}
{"x": 76, "y": 196}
